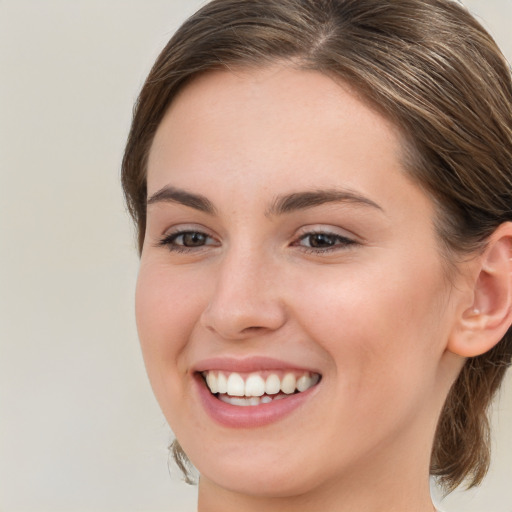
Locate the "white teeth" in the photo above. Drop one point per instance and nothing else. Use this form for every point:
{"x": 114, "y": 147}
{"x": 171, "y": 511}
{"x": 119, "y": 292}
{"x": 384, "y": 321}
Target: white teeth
{"x": 272, "y": 384}
{"x": 288, "y": 384}
{"x": 304, "y": 382}
{"x": 222, "y": 383}
{"x": 235, "y": 385}
{"x": 245, "y": 402}
{"x": 256, "y": 386}
{"x": 211, "y": 380}
{"x": 233, "y": 400}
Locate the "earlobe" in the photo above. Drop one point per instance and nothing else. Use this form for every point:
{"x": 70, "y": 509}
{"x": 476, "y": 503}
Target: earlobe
{"x": 486, "y": 321}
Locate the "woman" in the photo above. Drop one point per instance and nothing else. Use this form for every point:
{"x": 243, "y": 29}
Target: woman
{"x": 323, "y": 196}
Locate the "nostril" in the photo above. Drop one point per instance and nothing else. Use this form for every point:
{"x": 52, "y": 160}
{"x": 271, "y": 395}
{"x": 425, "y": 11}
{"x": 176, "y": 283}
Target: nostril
{"x": 253, "y": 329}
{"x": 239, "y": 317}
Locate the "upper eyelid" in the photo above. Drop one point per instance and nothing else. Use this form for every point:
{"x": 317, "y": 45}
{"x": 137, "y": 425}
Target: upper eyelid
{"x": 327, "y": 233}
{"x": 168, "y": 237}
{"x": 341, "y": 238}
{"x": 186, "y": 228}
{"x": 328, "y": 230}
{"x": 181, "y": 232}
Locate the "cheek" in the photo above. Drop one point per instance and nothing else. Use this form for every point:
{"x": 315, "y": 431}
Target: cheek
{"x": 167, "y": 310}
{"x": 382, "y": 339}
{"x": 380, "y": 327}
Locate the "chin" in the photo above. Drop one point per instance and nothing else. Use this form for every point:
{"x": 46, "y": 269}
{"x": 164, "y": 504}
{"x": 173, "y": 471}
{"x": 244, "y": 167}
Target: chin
{"x": 264, "y": 471}
{"x": 245, "y": 479}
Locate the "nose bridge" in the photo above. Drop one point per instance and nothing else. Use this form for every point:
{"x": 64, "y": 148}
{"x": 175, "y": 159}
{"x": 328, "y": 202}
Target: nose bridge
{"x": 245, "y": 298}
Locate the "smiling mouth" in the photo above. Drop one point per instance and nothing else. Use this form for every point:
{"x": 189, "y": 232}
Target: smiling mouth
{"x": 257, "y": 388}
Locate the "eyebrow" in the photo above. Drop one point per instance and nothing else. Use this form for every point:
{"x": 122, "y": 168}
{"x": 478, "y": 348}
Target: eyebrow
{"x": 170, "y": 194}
{"x": 302, "y": 200}
{"x": 281, "y": 205}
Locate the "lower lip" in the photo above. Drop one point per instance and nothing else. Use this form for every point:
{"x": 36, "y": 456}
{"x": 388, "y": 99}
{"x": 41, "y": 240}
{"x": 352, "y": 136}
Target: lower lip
{"x": 250, "y": 416}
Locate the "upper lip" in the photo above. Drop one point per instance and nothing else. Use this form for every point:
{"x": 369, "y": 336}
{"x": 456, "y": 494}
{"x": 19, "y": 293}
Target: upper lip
{"x": 248, "y": 364}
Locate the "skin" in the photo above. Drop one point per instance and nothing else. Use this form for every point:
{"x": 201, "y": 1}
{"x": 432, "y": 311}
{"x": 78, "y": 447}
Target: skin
{"x": 373, "y": 316}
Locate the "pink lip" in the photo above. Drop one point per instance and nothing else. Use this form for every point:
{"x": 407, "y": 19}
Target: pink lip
{"x": 250, "y": 416}
{"x": 251, "y": 364}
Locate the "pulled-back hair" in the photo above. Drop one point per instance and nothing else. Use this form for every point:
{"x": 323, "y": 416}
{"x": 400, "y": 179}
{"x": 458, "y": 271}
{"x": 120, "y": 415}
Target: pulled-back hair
{"x": 426, "y": 65}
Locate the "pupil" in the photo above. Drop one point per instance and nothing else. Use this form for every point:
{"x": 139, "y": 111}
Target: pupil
{"x": 321, "y": 240}
{"x": 193, "y": 239}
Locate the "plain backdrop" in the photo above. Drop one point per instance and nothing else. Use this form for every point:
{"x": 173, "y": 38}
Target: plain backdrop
{"x": 79, "y": 428}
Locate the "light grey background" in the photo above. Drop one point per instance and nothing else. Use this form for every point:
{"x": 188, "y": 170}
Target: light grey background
{"x": 79, "y": 427}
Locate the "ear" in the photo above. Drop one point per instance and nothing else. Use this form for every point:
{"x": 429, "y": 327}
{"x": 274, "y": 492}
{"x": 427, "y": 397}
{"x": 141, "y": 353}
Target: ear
{"x": 482, "y": 325}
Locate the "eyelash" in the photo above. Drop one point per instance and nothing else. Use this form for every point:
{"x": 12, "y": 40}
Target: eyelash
{"x": 169, "y": 241}
{"x": 339, "y": 242}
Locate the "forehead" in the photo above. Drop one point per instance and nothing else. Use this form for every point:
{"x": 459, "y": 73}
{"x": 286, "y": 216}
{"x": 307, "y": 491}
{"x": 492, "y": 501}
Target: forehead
{"x": 284, "y": 110}
{"x": 293, "y": 127}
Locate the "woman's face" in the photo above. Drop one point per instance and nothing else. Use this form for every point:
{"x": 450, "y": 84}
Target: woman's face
{"x": 286, "y": 248}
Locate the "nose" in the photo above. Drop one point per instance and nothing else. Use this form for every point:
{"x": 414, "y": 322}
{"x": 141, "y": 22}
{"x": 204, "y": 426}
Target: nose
{"x": 245, "y": 301}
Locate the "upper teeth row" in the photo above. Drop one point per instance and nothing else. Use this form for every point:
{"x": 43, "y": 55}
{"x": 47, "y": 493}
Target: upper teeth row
{"x": 234, "y": 384}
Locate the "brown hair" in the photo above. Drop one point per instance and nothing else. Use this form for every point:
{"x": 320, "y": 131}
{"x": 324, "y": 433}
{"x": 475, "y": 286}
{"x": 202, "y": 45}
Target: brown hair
{"x": 428, "y": 66}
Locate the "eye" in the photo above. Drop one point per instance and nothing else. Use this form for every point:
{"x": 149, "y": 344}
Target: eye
{"x": 323, "y": 241}
{"x": 183, "y": 241}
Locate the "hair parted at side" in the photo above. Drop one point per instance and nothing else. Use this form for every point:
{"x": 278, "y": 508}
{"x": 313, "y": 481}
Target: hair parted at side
{"x": 429, "y": 67}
